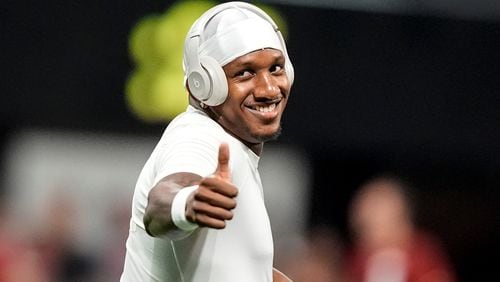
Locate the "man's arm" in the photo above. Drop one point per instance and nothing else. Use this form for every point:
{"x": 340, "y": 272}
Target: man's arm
{"x": 157, "y": 219}
{"x": 210, "y": 205}
{"x": 278, "y": 276}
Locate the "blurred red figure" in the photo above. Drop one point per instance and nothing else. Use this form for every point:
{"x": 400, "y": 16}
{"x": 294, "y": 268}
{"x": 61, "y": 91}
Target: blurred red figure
{"x": 19, "y": 260}
{"x": 56, "y": 242}
{"x": 387, "y": 246}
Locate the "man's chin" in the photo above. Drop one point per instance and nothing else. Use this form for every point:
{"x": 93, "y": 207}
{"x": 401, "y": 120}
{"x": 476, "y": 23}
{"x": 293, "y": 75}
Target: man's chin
{"x": 268, "y": 137}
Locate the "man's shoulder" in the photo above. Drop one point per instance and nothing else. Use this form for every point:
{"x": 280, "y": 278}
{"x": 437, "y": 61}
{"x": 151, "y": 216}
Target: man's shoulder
{"x": 193, "y": 118}
{"x": 191, "y": 126}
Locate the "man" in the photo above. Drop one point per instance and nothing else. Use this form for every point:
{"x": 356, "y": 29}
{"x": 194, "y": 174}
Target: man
{"x": 388, "y": 245}
{"x": 198, "y": 210}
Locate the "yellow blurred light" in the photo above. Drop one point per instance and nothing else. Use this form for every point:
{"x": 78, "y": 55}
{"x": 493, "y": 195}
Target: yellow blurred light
{"x": 141, "y": 40}
{"x": 168, "y": 95}
{"x": 173, "y": 26}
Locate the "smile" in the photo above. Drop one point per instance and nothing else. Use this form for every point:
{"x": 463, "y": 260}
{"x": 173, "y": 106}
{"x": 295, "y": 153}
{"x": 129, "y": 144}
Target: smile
{"x": 264, "y": 111}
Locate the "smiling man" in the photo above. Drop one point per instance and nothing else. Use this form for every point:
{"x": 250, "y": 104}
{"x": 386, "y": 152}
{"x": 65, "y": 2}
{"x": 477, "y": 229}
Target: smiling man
{"x": 198, "y": 209}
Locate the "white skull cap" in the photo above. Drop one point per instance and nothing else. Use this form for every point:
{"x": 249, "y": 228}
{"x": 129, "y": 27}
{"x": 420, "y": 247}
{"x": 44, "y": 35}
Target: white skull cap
{"x": 235, "y": 32}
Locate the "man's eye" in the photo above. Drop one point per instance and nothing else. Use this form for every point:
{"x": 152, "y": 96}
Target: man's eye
{"x": 276, "y": 69}
{"x": 244, "y": 74}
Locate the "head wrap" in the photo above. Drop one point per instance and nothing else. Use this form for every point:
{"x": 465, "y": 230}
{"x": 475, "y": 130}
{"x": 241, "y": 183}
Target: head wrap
{"x": 232, "y": 33}
{"x": 236, "y": 32}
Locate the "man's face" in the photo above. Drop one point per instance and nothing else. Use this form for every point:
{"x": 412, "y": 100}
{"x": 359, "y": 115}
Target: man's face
{"x": 258, "y": 94}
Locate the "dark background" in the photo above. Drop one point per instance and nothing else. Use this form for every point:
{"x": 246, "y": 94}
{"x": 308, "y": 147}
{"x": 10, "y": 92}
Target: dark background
{"x": 374, "y": 92}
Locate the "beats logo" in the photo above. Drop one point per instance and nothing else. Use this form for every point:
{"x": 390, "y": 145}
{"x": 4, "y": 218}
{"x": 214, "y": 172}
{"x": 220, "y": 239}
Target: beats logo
{"x": 196, "y": 83}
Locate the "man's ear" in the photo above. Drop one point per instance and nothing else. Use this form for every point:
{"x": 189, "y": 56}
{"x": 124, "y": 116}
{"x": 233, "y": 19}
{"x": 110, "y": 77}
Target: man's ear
{"x": 195, "y": 103}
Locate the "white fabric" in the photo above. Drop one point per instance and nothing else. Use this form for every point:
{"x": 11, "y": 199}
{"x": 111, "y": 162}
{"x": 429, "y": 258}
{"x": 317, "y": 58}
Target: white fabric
{"x": 239, "y": 39}
{"x": 243, "y": 251}
{"x": 178, "y": 210}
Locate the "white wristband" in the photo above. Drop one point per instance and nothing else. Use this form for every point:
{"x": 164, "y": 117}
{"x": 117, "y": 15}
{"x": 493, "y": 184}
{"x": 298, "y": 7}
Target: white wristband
{"x": 178, "y": 211}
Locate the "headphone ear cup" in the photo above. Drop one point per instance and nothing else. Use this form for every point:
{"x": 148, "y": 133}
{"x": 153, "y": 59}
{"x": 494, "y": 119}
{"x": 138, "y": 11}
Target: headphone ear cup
{"x": 199, "y": 83}
{"x": 219, "y": 89}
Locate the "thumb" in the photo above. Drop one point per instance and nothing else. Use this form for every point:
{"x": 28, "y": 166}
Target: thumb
{"x": 222, "y": 169}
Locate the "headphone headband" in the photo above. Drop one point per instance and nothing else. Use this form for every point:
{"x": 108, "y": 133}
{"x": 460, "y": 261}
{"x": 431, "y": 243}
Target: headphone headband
{"x": 212, "y": 12}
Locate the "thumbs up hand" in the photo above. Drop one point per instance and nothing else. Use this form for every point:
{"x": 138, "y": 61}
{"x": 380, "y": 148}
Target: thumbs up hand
{"x": 212, "y": 203}
{"x": 222, "y": 171}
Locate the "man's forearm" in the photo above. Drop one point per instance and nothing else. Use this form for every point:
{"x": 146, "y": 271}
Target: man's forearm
{"x": 157, "y": 217}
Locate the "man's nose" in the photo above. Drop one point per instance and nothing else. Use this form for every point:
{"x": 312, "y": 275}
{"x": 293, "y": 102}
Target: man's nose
{"x": 266, "y": 86}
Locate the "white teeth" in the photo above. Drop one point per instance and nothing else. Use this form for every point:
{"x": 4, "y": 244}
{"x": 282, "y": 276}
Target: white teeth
{"x": 266, "y": 109}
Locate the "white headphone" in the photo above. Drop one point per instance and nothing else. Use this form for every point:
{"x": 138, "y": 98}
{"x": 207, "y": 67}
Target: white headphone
{"x": 206, "y": 79}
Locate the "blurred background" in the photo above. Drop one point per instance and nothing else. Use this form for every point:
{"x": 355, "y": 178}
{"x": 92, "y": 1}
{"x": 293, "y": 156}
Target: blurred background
{"x": 383, "y": 87}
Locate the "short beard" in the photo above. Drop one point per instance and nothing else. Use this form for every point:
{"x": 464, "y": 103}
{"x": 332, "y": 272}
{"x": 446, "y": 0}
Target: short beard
{"x": 265, "y": 138}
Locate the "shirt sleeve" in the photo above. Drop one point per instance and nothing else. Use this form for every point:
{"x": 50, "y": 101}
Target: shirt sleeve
{"x": 188, "y": 149}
